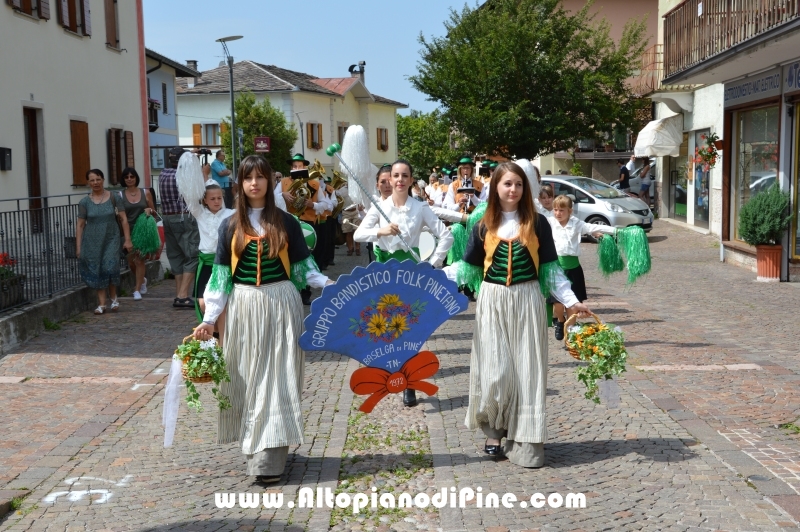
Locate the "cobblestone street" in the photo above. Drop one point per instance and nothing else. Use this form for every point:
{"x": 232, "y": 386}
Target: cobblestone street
{"x": 704, "y": 435}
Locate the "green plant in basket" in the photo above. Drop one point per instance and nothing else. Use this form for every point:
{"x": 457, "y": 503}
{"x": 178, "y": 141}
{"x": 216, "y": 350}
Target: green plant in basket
{"x": 602, "y": 347}
{"x": 202, "y": 360}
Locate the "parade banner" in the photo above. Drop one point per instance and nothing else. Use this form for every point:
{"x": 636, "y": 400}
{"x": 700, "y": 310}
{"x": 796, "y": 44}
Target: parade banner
{"x": 381, "y": 316}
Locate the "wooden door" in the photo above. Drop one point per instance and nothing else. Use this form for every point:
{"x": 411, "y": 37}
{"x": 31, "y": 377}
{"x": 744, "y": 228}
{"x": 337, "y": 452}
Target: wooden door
{"x": 34, "y": 176}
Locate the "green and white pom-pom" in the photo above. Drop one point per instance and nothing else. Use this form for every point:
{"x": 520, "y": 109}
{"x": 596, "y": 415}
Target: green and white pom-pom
{"x": 144, "y": 235}
{"x": 221, "y": 279}
{"x": 633, "y": 241}
{"x": 469, "y": 275}
{"x": 475, "y": 216}
{"x": 460, "y": 238}
{"x": 609, "y": 259}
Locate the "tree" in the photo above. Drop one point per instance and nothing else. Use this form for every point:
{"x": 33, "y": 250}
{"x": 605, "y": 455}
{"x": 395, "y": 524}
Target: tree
{"x": 524, "y": 77}
{"x": 424, "y": 140}
{"x": 260, "y": 120}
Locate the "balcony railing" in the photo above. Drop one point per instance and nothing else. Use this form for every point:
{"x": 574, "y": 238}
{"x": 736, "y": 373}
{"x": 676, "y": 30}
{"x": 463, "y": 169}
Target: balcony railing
{"x": 651, "y": 74}
{"x": 697, "y": 30}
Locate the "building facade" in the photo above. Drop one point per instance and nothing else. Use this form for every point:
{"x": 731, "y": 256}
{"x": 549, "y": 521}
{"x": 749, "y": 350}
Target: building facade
{"x": 320, "y": 108}
{"x": 71, "y": 94}
{"x": 732, "y": 73}
{"x": 162, "y": 105}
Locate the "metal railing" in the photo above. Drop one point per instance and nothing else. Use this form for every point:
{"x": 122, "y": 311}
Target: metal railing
{"x": 37, "y": 248}
{"x": 696, "y": 30}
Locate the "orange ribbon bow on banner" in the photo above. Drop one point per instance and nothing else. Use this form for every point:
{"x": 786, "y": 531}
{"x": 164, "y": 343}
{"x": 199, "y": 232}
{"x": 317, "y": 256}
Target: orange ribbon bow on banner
{"x": 380, "y": 383}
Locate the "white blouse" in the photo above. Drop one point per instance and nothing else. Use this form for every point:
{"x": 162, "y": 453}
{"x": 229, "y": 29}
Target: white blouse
{"x": 449, "y": 201}
{"x": 216, "y": 300}
{"x": 208, "y": 224}
{"x": 411, "y": 218}
{"x": 568, "y": 237}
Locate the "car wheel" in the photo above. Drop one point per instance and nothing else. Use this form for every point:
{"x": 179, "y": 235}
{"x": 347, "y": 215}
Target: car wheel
{"x": 597, "y": 220}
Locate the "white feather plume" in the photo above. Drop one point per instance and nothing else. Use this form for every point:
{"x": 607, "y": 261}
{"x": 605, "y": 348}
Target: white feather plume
{"x": 189, "y": 178}
{"x": 530, "y": 172}
{"x": 355, "y": 154}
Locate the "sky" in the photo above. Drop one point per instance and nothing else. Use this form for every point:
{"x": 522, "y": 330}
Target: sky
{"x": 311, "y": 36}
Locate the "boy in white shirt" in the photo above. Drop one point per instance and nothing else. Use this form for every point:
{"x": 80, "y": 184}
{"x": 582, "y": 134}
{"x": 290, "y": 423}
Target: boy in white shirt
{"x": 567, "y": 232}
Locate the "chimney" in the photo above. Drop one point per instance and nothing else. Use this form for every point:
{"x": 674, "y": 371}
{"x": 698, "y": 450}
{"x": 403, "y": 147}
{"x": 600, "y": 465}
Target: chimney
{"x": 357, "y": 71}
{"x": 191, "y": 63}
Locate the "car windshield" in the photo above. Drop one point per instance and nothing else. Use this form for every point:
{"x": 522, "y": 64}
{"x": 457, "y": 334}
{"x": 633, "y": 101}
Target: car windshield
{"x": 596, "y": 188}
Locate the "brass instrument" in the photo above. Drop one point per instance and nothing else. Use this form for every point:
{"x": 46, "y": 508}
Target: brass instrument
{"x": 338, "y": 182}
{"x": 302, "y": 193}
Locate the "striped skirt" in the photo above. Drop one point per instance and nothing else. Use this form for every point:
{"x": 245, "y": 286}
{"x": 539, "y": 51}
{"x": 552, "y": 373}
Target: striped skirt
{"x": 508, "y": 367}
{"x": 265, "y": 363}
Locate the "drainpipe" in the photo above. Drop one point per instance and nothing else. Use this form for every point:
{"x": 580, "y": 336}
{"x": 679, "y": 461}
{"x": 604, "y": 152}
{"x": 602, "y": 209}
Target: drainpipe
{"x": 143, "y": 95}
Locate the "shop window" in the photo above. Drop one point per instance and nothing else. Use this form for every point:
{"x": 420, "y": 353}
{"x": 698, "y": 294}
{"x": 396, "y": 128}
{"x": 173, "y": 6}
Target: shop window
{"x": 756, "y": 162}
{"x": 701, "y": 184}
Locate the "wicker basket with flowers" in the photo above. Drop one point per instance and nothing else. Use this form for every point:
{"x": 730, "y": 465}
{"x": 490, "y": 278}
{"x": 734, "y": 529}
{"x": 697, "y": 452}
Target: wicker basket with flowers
{"x": 202, "y": 362}
{"x": 601, "y": 346}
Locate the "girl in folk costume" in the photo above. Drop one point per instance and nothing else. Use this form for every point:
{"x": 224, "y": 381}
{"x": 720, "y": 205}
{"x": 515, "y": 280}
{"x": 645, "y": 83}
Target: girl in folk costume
{"x": 206, "y": 202}
{"x": 261, "y": 258}
{"x": 567, "y": 232}
{"x": 408, "y": 217}
{"x": 511, "y": 260}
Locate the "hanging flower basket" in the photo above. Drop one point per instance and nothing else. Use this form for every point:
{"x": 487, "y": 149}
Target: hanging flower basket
{"x": 706, "y": 155}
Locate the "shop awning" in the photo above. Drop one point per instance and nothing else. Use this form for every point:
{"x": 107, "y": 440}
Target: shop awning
{"x": 660, "y": 138}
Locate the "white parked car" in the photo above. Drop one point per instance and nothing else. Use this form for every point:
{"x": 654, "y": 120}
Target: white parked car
{"x": 598, "y": 203}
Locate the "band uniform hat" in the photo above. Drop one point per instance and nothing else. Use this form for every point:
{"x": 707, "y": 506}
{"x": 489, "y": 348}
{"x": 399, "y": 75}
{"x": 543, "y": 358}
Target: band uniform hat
{"x": 494, "y": 164}
{"x": 298, "y": 157}
{"x": 465, "y": 160}
{"x": 486, "y": 164}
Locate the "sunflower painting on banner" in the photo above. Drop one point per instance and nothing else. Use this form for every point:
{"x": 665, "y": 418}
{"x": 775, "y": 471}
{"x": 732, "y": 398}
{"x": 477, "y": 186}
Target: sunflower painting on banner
{"x": 381, "y": 316}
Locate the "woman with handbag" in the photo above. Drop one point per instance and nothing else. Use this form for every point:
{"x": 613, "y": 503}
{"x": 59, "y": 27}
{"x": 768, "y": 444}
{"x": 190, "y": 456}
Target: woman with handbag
{"x": 97, "y": 239}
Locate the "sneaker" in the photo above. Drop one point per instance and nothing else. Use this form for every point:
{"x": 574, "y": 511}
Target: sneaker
{"x": 559, "y": 330}
{"x": 143, "y": 289}
{"x": 114, "y": 305}
{"x": 137, "y": 296}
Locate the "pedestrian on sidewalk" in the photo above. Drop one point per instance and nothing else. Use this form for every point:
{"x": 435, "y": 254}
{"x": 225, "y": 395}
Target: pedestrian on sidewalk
{"x": 181, "y": 234}
{"x": 567, "y": 231}
{"x": 408, "y": 216}
{"x": 508, "y": 363}
{"x": 97, "y": 240}
{"x": 262, "y": 260}
{"x": 135, "y": 202}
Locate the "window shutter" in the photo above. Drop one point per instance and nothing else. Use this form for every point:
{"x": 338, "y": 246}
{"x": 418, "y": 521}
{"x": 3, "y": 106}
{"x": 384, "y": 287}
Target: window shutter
{"x": 113, "y": 156}
{"x": 197, "y": 134}
{"x": 164, "y": 108}
{"x": 86, "y": 23}
{"x": 111, "y": 23}
{"x": 63, "y": 13}
{"x": 378, "y": 136}
{"x": 16, "y": 4}
{"x": 44, "y": 9}
{"x": 309, "y": 135}
{"x": 79, "y": 133}
{"x": 319, "y": 135}
{"x": 130, "y": 161}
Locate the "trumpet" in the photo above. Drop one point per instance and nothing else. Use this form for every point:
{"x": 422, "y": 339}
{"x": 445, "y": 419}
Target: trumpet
{"x": 338, "y": 182}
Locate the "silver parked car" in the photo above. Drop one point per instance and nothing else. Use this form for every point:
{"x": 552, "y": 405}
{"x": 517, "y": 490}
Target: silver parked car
{"x": 598, "y": 203}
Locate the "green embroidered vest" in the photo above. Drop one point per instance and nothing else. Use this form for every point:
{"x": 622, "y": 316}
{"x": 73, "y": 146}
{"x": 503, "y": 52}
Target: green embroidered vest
{"x": 255, "y": 268}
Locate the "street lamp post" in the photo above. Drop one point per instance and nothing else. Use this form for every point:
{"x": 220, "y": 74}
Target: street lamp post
{"x": 234, "y": 138}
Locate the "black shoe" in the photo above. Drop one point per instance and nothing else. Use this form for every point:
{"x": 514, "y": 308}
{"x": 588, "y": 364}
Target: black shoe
{"x": 265, "y": 479}
{"x": 305, "y": 295}
{"x": 409, "y": 397}
{"x": 493, "y": 450}
{"x": 559, "y": 329}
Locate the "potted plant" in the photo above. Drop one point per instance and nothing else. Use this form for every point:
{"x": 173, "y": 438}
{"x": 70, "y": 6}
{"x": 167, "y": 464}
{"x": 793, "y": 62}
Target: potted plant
{"x": 762, "y": 221}
{"x": 706, "y": 154}
{"x": 11, "y": 283}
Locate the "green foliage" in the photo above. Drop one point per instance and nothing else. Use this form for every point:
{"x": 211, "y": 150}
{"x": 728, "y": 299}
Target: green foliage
{"x": 525, "y": 77}
{"x": 603, "y": 348}
{"x": 261, "y": 120}
{"x": 199, "y": 359}
{"x": 576, "y": 169}
{"x": 791, "y": 427}
{"x": 16, "y": 503}
{"x": 51, "y": 325}
{"x": 765, "y": 217}
{"x": 424, "y": 140}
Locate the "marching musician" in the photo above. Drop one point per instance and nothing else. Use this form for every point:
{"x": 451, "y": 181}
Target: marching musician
{"x": 458, "y": 201}
{"x": 312, "y": 213}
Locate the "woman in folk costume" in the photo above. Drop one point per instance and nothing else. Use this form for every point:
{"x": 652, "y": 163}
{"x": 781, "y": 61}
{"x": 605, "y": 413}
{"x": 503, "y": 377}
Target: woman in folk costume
{"x": 511, "y": 262}
{"x": 205, "y": 201}
{"x": 408, "y": 216}
{"x": 567, "y": 232}
{"x": 261, "y": 259}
